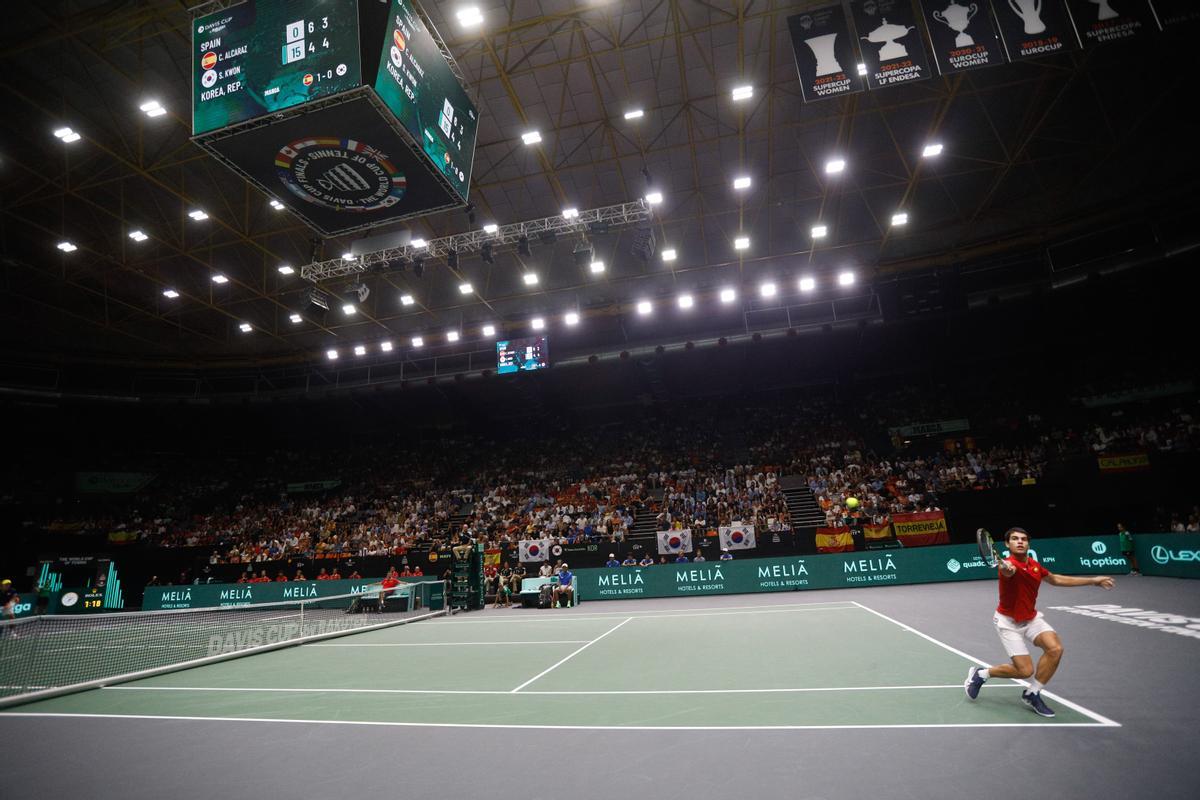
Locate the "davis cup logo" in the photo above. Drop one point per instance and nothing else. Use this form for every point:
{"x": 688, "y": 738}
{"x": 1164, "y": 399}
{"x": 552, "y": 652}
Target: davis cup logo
{"x": 1099, "y": 548}
{"x": 341, "y": 174}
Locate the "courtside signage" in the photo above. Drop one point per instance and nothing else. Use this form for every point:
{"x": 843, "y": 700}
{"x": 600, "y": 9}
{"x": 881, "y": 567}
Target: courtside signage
{"x": 1175, "y": 555}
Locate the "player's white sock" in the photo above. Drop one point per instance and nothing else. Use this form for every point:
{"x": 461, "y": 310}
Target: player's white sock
{"x": 983, "y": 673}
{"x": 1035, "y": 687}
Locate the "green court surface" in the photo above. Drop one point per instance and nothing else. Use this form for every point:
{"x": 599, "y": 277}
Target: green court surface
{"x": 836, "y": 664}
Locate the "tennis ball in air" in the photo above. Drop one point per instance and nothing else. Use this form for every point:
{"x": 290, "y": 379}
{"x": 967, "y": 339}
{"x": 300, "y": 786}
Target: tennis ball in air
{"x": 852, "y": 503}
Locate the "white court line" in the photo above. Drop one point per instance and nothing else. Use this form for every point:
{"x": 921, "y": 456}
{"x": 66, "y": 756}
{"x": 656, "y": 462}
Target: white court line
{"x": 654, "y": 615}
{"x": 622, "y": 728}
{"x": 442, "y": 644}
{"x": 572, "y": 655}
{"x": 957, "y": 686}
{"x": 1103, "y": 720}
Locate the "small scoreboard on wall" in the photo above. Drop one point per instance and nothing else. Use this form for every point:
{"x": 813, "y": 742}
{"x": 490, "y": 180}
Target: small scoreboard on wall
{"x": 346, "y": 111}
{"x": 522, "y": 355}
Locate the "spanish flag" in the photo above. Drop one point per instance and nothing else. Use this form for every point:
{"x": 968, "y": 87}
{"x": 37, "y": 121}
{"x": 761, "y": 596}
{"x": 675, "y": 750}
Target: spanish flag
{"x": 834, "y": 540}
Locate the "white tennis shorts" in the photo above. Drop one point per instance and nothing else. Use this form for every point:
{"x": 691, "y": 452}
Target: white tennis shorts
{"x": 1014, "y": 635}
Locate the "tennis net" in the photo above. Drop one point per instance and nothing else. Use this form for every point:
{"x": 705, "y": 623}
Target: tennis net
{"x": 55, "y": 654}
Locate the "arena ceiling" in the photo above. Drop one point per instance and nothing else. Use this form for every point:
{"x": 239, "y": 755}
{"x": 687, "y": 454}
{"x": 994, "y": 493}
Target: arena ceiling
{"x": 1035, "y": 154}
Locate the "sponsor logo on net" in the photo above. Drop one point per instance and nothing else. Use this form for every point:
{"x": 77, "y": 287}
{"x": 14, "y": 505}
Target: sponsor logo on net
{"x": 262, "y": 635}
{"x": 1162, "y": 555}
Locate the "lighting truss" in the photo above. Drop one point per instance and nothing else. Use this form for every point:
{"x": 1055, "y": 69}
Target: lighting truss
{"x": 506, "y": 237}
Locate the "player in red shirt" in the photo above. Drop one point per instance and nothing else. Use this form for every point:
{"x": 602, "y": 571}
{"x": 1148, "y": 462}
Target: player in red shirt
{"x": 1018, "y": 621}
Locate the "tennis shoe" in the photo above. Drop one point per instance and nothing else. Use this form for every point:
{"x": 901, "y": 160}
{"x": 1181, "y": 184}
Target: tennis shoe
{"x": 1035, "y": 702}
{"x": 974, "y": 682}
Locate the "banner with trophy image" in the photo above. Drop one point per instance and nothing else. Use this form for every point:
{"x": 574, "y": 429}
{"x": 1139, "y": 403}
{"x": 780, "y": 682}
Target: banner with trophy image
{"x": 1100, "y": 21}
{"x": 1030, "y": 28}
{"x": 1176, "y": 14}
{"x": 825, "y": 53}
{"x": 891, "y": 43}
{"x": 962, "y": 35}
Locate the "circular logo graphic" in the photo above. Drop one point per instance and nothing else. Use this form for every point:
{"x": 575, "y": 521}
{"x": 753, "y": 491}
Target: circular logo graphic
{"x": 69, "y": 599}
{"x": 209, "y": 79}
{"x": 556, "y": 550}
{"x": 341, "y": 174}
{"x": 953, "y": 565}
{"x": 1099, "y": 548}
{"x": 398, "y": 38}
{"x": 341, "y": 69}
{"x": 1160, "y": 554}
{"x": 200, "y": 29}
{"x": 208, "y": 60}
{"x": 308, "y": 79}
{"x": 432, "y": 555}
{"x": 397, "y": 60}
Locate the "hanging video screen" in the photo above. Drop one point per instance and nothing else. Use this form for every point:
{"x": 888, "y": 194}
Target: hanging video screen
{"x": 522, "y": 355}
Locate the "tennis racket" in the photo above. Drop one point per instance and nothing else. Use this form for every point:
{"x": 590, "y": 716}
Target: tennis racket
{"x": 987, "y": 547}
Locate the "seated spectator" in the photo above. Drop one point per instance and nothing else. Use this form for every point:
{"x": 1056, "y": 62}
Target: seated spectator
{"x": 335, "y": 575}
{"x": 281, "y": 578}
{"x": 647, "y": 561}
{"x": 545, "y": 570}
{"x": 726, "y": 555}
{"x": 629, "y": 561}
{"x": 681, "y": 558}
{"x": 323, "y": 575}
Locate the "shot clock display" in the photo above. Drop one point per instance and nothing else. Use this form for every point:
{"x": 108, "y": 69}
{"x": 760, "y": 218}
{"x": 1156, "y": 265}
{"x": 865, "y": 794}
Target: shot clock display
{"x": 268, "y": 55}
{"x": 522, "y": 355}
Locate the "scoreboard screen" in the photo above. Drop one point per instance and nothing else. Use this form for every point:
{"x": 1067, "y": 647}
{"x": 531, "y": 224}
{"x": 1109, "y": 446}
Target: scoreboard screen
{"x": 267, "y": 55}
{"x": 418, "y": 86}
{"x": 522, "y": 355}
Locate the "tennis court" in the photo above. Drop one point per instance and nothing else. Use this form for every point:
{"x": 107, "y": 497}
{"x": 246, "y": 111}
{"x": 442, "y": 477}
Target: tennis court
{"x": 629, "y": 692}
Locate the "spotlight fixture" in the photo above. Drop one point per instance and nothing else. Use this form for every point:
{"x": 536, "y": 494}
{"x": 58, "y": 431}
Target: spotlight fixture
{"x": 66, "y": 247}
{"x": 530, "y": 278}
{"x": 862, "y": 69}
{"x": 491, "y": 227}
{"x": 218, "y": 278}
{"x": 245, "y": 327}
{"x": 571, "y": 318}
{"x": 767, "y": 290}
{"x": 138, "y": 236}
{"x": 465, "y": 288}
{"x": 349, "y": 309}
{"x": 296, "y": 319}
{"x": 318, "y": 301}
{"x": 385, "y": 347}
{"x": 67, "y": 135}
{"x": 900, "y": 218}
{"x": 597, "y": 267}
{"x": 199, "y": 215}
{"x": 686, "y": 301}
{"x": 331, "y": 355}
{"x": 417, "y": 341}
{"x": 669, "y": 254}
{"x": 537, "y": 323}
{"x": 406, "y": 300}
{"x": 932, "y": 150}
{"x": 741, "y": 243}
{"x": 570, "y": 213}
{"x": 644, "y": 307}
{"x": 489, "y": 330}
{"x": 728, "y": 295}
{"x": 654, "y": 198}
{"x": 418, "y": 242}
{"x": 743, "y": 92}
{"x": 360, "y": 349}
{"x": 153, "y": 108}
{"x": 278, "y": 206}
{"x": 531, "y": 137}
{"x": 170, "y": 294}
{"x": 284, "y": 269}
{"x": 452, "y": 336}
{"x": 470, "y": 16}
{"x": 819, "y": 231}
{"x": 807, "y": 284}
{"x": 348, "y": 256}
{"x": 846, "y": 278}
{"x": 636, "y": 113}
{"x": 834, "y": 166}
{"x": 741, "y": 182}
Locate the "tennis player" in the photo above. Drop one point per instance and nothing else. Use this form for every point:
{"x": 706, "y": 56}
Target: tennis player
{"x": 1017, "y": 622}
{"x": 8, "y": 599}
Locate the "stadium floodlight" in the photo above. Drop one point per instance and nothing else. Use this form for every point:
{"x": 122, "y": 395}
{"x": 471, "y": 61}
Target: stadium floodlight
{"x": 170, "y": 294}
{"x": 807, "y": 284}
{"x": 636, "y": 113}
{"x": 741, "y": 182}
{"x": 296, "y": 319}
{"x": 278, "y": 206}
{"x": 835, "y": 165}
{"x": 153, "y": 108}
{"x": 743, "y": 92}
{"x": 570, "y": 213}
{"x": 67, "y": 135}
{"x": 686, "y": 301}
{"x": 284, "y": 269}
{"x": 932, "y": 150}
{"x": 571, "y": 318}
{"x": 360, "y": 349}
{"x": 385, "y": 347}
{"x": 531, "y": 137}
{"x": 451, "y": 336}
{"x": 406, "y": 300}
{"x": 348, "y": 256}
{"x": 491, "y": 228}
{"x": 199, "y": 215}
{"x": 331, "y": 355}
{"x": 728, "y": 295}
{"x": 138, "y": 236}
{"x": 465, "y": 288}
{"x": 246, "y": 327}
{"x": 470, "y": 16}
{"x": 349, "y": 308}
{"x": 417, "y": 341}
{"x": 218, "y": 278}
{"x": 741, "y": 243}
{"x": 654, "y": 198}
{"x": 530, "y": 278}
{"x": 419, "y": 242}
{"x": 66, "y": 247}
{"x": 669, "y": 254}
{"x": 644, "y": 307}
{"x": 597, "y": 267}
{"x": 846, "y": 278}
{"x": 819, "y": 231}
{"x": 862, "y": 69}
{"x": 900, "y": 218}
{"x": 768, "y": 289}
{"x": 489, "y": 330}
{"x": 537, "y": 323}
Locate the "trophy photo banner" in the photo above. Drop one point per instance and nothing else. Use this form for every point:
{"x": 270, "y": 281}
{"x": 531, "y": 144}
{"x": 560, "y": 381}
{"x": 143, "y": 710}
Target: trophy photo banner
{"x": 962, "y": 35}
{"x": 1176, "y": 14}
{"x": 1100, "y": 21}
{"x": 891, "y": 43}
{"x": 825, "y": 55}
{"x": 1030, "y": 28}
